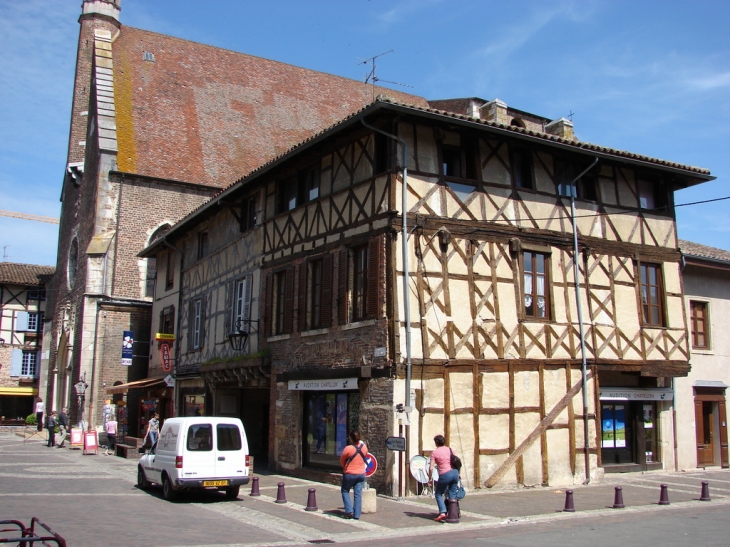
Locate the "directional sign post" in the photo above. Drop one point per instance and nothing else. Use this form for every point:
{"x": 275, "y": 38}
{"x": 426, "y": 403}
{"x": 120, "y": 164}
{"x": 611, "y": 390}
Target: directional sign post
{"x": 396, "y": 443}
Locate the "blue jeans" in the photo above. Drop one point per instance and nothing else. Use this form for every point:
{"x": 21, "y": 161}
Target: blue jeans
{"x": 153, "y": 438}
{"x": 449, "y": 480}
{"x": 355, "y": 482}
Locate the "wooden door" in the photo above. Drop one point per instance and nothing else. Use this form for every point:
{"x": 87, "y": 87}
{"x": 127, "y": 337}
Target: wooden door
{"x": 703, "y": 428}
{"x": 723, "y": 434}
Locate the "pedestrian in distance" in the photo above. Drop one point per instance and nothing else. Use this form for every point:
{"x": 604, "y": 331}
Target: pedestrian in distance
{"x": 153, "y": 430}
{"x": 448, "y": 476}
{"x": 111, "y": 434}
{"x": 51, "y": 427}
{"x": 354, "y": 463}
{"x": 62, "y": 427}
{"x": 40, "y": 408}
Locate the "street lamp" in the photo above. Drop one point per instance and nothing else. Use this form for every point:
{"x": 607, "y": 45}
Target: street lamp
{"x": 80, "y": 388}
{"x": 240, "y": 335}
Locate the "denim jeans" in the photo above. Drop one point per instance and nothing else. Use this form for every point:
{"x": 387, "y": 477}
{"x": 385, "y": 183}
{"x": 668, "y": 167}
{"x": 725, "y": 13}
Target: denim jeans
{"x": 153, "y": 438}
{"x": 355, "y": 482}
{"x": 449, "y": 480}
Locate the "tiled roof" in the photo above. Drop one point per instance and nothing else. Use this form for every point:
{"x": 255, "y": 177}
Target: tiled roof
{"x": 25, "y": 274}
{"x": 206, "y": 115}
{"x": 689, "y": 248}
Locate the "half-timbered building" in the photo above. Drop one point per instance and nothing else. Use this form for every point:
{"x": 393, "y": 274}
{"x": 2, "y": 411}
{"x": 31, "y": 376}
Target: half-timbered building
{"x": 303, "y": 306}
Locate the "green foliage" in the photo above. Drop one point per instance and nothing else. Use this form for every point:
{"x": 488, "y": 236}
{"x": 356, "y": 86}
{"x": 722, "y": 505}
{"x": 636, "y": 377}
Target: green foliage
{"x": 31, "y": 420}
{"x": 217, "y": 360}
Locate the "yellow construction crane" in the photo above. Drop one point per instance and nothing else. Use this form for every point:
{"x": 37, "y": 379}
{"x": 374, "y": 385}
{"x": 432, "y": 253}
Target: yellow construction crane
{"x": 26, "y": 216}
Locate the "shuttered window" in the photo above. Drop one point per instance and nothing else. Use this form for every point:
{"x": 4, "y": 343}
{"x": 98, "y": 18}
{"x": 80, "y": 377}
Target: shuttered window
{"x": 652, "y": 294}
{"x": 699, "y": 325}
{"x": 359, "y": 282}
{"x": 283, "y": 296}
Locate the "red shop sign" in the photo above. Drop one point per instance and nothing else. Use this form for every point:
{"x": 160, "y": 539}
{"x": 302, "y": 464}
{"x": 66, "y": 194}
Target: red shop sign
{"x": 165, "y": 354}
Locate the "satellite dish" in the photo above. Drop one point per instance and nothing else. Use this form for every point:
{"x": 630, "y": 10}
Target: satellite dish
{"x": 419, "y": 469}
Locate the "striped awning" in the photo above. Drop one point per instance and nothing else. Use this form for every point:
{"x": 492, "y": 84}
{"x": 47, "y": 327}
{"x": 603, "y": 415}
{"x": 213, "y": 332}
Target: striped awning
{"x": 137, "y": 384}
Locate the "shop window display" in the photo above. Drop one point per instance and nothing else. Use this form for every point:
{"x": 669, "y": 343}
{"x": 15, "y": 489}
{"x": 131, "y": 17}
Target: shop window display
{"x": 329, "y": 416}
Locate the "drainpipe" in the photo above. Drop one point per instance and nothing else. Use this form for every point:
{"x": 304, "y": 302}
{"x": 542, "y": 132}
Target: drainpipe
{"x": 584, "y": 366}
{"x": 406, "y": 273}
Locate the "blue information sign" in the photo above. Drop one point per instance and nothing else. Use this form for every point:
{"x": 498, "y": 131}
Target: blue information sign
{"x": 127, "y": 347}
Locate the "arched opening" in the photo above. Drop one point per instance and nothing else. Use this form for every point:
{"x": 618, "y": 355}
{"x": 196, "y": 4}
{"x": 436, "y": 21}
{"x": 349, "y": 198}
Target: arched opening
{"x": 518, "y": 122}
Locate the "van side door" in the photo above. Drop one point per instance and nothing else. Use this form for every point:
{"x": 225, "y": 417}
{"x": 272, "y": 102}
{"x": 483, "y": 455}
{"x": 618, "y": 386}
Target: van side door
{"x": 199, "y": 456}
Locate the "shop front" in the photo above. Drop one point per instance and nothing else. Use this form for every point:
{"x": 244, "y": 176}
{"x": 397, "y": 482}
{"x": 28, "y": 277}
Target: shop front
{"x": 630, "y": 428}
{"x": 136, "y": 402}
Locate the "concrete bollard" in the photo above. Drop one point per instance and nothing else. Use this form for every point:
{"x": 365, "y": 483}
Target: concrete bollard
{"x": 663, "y": 495}
{"x": 369, "y": 500}
{"x": 280, "y": 495}
{"x": 569, "y": 507}
{"x": 705, "y": 495}
{"x": 452, "y": 513}
{"x": 311, "y": 500}
{"x": 255, "y": 487}
{"x": 618, "y": 498}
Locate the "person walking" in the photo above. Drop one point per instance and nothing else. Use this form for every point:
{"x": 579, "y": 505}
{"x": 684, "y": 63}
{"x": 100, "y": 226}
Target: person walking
{"x": 353, "y": 474}
{"x": 153, "y": 429}
{"x": 40, "y": 408}
{"x": 51, "y": 427}
{"x": 448, "y": 477}
{"x": 62, "y": 427}
{"x": 111, "y": 435}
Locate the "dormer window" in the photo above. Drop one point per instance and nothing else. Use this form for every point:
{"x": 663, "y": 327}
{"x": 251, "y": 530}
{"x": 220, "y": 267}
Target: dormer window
{"x": 147, "y": 56}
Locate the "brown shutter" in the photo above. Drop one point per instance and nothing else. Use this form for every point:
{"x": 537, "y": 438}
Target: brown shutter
{"x": 342, "y": 312}
{"x": 722, "y": 411}
{"x": 202, "y": 322}
{"x": 191, "y": 319}
{"x": 302, "y": 297}
{"x": 699, "y": 431}
{"x": 266, "y": 312}
{"x": 232, "y": 289}
{"x": 372, "y": 300}
{"x": 326, "y": 307}
{"x": 288, "y": 300}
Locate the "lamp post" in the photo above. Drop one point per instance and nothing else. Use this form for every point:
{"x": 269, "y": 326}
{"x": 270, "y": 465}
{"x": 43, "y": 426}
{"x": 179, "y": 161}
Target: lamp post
{"x": 241, "y": 333}
{"x": 80, "y": 388}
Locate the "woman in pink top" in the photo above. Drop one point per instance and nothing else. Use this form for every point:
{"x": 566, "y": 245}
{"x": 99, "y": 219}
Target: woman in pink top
{"x": 448, "y": 477}
{"x": 111, "y": 434}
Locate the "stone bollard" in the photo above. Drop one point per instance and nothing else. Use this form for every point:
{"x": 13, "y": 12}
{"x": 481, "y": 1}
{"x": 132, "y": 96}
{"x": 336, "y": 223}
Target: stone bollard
{"x": 311, "y": 500}
{"x": 452, "y": 513}
{"x": 369, "y": 500}
{"x": 569, "y": 507}
{"x": 618, "y": 498}
{"x": 663, "y": 495}
{"x": 280, "y": 495}
{"x": 255, "y": 487}
{"x": 705, "y": 495}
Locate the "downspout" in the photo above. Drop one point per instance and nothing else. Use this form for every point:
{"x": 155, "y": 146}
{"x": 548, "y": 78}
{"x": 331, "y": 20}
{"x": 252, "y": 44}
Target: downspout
{"x": 579, "y": 304}
{"x": 406, "y": 273}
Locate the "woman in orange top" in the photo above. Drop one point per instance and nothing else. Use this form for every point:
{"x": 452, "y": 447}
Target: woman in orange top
{"x": 353, "y": 474}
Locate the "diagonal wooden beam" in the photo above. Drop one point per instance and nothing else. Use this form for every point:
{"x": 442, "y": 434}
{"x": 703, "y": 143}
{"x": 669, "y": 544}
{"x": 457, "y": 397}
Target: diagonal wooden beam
{"x": 536, "y": 433}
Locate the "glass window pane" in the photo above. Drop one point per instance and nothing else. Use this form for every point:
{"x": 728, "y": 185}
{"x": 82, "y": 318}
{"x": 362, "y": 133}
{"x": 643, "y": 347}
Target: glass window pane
{"x": 540, "y": 263}
{"x": 528, "y": 262}
{"x": 341, "y": 417}
{"x": 199, "y": 438}
{"x": 652, "y": 276}
{"x": 620, "y": 426}
{"x": 229, "y": 437}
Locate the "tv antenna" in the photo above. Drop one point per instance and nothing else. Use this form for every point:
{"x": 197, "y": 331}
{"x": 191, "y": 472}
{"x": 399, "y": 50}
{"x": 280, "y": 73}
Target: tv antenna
{"x": 372, "y": 77}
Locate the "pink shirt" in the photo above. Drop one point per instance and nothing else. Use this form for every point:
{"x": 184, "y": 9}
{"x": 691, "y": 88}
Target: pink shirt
{"x": 442, "y": 457}
{"x": 111, "y": 427}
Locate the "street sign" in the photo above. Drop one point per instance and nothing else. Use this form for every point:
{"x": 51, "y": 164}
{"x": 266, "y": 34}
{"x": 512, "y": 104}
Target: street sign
{"x": 371, "y": 465}
{"x": 396, "y": 443}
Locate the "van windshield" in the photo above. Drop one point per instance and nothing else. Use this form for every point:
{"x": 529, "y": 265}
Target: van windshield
{"x": 199, "y": 437}
{"x": 229, "y": 437}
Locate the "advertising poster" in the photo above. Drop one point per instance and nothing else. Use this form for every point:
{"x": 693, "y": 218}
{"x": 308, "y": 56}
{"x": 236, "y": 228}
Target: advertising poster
{"x": 127, "y": 348}
{"x": 341, "y": 422}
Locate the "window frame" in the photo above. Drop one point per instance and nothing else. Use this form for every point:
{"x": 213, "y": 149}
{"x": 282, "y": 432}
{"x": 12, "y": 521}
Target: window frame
{"x": 241, "y": 309}
{"x": 197, "y": 324}
{"x": 582, "y": 185}
{"x": 315, "y": 293}
{"x": 29, "y": 366}
{"x": 694, "y": 320}
{"x": 359, "y": 294}
{"x": 644, "y": 275}
{"x": 533, "y": 292}
{"x": 525, "y": 164}
{"x": 203, "y": 244}
{"x": 167, "y": 320}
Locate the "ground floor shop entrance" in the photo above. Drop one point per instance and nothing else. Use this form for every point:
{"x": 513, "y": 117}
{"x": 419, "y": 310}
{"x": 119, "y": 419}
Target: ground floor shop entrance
{"x": 251, "y": 405}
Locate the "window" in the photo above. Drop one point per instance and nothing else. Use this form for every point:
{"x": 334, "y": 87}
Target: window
{"x": 652, "y": 195}
{"x": 522, "y": 168}
{"x": 35, "y": 322}
{"x": 315, "y": 292}
{"x": 36, "y": 294}
{"x": 382, "y": 153}
{"x": 699, "y": 325}
{"x": 241, "y": 304}
{"x": 329, "y": 417}
{"x": 309, "y": 185}
{"x": 202, "y": 245}
{"x": 585, "y": 187}
{"x": 286, "y": 195}
{"x": 248, "y": 212}
{"x": 228, "y": 437}
{"x": 196, "y": 324}
{"x": 170, "y": 271}
{"x": 651, "y": 294}
{"x": 359, "y": 282}
{"x": 149, "y": 289}
{"x": 29, "y": 367}
{"x": 167, "y": 320}
{"x": 460, "y": 162}
{"x": 73, "y": 262}
{"x": 282, "y": 305}
{"x": 535, "y": 284}
{"x": 200, "y": 438}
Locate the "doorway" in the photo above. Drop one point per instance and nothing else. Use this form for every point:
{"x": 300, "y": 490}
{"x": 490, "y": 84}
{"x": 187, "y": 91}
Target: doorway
{"x": 629, "y": 436}
{"x": 711, "y": 428}
{"x": 251, "y": 405}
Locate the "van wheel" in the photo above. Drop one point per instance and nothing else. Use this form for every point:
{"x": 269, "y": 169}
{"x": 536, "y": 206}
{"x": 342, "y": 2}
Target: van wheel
{"x": 167, "y": 491}
{"x": 142, "y": 482}
{"x": 232, "y": 492}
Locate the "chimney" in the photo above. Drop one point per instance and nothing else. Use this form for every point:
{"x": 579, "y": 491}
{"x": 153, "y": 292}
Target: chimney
{"x": 561, "y": 128}
{"x": 109, "y": 8}
{"x": 495, "y": 111}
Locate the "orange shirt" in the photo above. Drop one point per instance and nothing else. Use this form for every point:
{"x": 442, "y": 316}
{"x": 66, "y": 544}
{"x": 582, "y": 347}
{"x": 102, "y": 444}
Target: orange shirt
{"x": 357, "y": 464}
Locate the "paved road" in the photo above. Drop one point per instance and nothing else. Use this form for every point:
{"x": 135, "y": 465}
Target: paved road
{"x": 92, "y": 500}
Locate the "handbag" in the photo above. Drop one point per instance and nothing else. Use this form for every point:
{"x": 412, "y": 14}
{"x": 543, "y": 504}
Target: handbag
{"x": 460, "y": 492}
{"x": 455, "y": 461}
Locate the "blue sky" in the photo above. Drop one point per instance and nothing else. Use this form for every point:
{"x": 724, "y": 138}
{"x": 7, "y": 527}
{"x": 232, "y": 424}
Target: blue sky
{"x": 649, "y": 77}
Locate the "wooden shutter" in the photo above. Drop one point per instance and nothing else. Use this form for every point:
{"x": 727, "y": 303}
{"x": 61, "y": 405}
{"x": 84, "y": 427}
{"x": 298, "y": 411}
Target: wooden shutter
{"x": 229, "y": 319}
{"x": 302, "y": 297}
{"x": 372, "y": 302}
{"x": 16, "y": 362}
{"x": 699, "y": 432}
{"x": 326, "y": 308}
{"x": 191, "y": 323}
{"x": 722, "y": 411}
{"x": 267, "y": 312}
{"x": 21, "y": 321}
{"x": 342, "y": 312}
{"x": 202, "y": 322}
{"x": 37, "y": 368}
{"x": 288, "y": 300}
{"x": 248, "y": 289}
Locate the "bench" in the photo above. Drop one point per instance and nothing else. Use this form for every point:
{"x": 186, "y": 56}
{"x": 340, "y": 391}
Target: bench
{"x": 129, "y": 447}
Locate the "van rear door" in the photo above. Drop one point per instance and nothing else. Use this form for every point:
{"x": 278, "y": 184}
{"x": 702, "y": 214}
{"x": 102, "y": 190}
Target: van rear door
{"x": 198, "y": 460}
{"x": 231, "y": 450}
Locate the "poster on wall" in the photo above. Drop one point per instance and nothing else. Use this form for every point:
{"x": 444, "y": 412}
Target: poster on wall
{"x": 165, "y": 356}
{"x": 341, "y": 423}
{"x": 127, "y": 348}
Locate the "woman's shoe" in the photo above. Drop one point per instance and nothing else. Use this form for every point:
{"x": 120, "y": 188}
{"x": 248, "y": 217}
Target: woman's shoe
{"x": 349, "y": 515}
{"x": 441, "y": 517}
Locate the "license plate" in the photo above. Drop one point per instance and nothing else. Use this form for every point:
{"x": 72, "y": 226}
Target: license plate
{"x": 215, "y": 483}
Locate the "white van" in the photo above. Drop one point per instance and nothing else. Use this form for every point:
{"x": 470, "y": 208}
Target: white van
{"x": 197, "y": 453}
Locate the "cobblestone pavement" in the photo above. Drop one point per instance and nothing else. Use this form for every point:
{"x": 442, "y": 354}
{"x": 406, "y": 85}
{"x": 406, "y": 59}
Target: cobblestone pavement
{"x": 93, "y": 500}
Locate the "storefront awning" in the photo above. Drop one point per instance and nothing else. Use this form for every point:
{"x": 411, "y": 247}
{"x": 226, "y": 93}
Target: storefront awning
{"x": 137, "y": 384}
{"x": 635, "y": 394}
{"x": 20, "y": 391}
{"x": 710, "y": 383}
